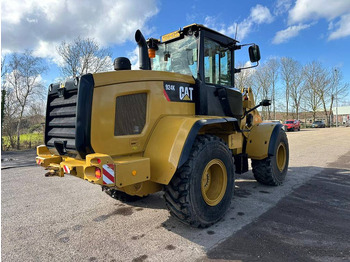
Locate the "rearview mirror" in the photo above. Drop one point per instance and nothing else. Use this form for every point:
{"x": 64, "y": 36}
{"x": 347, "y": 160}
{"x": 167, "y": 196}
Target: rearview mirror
{"x": 254, "y": 53}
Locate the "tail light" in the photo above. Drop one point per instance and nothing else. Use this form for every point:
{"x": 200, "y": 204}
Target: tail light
{"x": 97, "y": 173}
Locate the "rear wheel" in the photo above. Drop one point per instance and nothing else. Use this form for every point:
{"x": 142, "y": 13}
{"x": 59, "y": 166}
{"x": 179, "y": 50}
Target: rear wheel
{"x": 273, "y": 169}
{"x": 200, "y": 192}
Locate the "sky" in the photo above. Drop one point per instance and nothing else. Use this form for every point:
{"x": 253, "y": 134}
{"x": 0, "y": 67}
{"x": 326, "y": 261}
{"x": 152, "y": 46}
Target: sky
{"x": 305, "y": 30}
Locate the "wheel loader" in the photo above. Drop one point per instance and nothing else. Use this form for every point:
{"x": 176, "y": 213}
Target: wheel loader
{"x": 177, "y": 125}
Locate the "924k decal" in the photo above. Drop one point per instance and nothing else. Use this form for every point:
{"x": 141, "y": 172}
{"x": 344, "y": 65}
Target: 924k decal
{"x": 179, "y": 92}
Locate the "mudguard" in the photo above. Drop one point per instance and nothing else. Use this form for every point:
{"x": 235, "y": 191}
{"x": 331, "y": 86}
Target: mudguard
{"x": 262, "y": 139}
{"x": 171, "y": 142}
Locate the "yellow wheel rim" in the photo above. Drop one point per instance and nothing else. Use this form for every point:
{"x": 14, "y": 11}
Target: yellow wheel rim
{"x": 281, "y": 156}
{"x": 214, "y": 182}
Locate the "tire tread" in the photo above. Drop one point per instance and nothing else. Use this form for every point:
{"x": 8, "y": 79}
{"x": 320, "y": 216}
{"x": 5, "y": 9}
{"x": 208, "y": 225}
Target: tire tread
{"x": 176, "y": 193}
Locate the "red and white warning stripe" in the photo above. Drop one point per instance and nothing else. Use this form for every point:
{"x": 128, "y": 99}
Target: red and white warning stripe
{"x": 66, "y": 169}
{"x": 38, "y": 160}
{"x": 108, "y": 174}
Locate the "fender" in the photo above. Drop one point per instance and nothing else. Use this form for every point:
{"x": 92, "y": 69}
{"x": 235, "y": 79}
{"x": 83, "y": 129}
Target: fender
{"x": 261, "y": 140}
{"x": 171, "y": 142}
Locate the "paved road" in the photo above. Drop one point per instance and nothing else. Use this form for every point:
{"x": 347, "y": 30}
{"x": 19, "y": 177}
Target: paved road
{"x": 67, "y": 219}
{"x": 311, "y": 224}
{"x": 11, "y": 159}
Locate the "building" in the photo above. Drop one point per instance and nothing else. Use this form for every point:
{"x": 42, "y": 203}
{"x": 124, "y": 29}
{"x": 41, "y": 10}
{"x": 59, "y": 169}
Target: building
{"x": 343, "y": 113}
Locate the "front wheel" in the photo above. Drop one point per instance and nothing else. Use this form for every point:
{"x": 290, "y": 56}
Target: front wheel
{"x": 201, "y": 190}
{"x": 273, "y": 169}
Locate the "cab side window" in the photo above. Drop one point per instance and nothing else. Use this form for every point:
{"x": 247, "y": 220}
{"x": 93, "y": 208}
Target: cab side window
{"x": 217, "y": 63}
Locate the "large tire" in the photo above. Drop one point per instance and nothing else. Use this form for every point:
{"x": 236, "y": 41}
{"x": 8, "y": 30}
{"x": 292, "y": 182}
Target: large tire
{"x": 201, "y": 190}
{"x": 121, "y": 196}
{"x": 273, "y": 169}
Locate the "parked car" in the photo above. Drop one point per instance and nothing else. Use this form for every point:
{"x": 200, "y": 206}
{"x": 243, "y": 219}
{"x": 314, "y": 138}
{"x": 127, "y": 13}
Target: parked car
{"x": 319, "y": 124}
{"x": 291, "y": 125}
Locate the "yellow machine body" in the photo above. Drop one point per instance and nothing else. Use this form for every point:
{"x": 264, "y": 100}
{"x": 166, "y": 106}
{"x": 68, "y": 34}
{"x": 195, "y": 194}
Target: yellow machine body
{"x": 143, "y": 160}
{"x": 146, "y": 161}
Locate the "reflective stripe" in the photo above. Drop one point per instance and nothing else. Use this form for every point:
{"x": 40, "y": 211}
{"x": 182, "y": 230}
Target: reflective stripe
{"x": 108, "y": 174}
{"x": 66, "y": 169}
{"x": 106, "y": 181}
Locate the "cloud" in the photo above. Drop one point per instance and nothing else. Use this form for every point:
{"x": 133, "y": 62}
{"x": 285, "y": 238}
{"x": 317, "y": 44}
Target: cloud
{"x": 258, "y": 15}
{"x": 332, "y": 11}
{"x": 212, "y": 22}
{"x": 41, "y": 25}
{"x": 134, "y": 58}
{"x": 305, "y": 10}
{"x": 292, "y": 31}
{"x": 282, "y": 6}
{"x": 343, "y": 28}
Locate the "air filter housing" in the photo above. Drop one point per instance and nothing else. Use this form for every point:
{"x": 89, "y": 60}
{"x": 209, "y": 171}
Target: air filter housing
{"x": 122, "y": 63}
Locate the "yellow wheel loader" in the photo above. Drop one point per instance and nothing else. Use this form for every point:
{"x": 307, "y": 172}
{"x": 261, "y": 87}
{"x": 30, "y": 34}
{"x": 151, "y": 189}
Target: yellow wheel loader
{"x": 177, "y": 125}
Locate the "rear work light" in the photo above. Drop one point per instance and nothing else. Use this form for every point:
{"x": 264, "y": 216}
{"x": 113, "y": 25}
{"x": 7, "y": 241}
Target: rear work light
{"x": 97, "y": 173}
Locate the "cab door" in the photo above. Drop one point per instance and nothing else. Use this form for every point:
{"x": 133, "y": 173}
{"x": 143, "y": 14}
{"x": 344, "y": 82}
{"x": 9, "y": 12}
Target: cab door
{"x": 218, "y": 97}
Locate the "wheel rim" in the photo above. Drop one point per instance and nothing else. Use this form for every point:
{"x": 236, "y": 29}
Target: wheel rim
{"x": 281, "y": 156}
{"x": 214, "y": 182}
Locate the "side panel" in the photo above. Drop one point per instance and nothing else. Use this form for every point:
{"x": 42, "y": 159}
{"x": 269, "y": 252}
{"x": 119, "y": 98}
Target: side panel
{"x": 105, "y": 140}
{"x": 165, "y": 146}
{"x": 171, "y": 142}
{"x": 261, "y": 138}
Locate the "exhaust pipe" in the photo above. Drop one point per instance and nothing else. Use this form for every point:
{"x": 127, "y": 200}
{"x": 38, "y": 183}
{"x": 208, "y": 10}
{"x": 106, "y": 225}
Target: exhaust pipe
{"x": 144, "y": 61}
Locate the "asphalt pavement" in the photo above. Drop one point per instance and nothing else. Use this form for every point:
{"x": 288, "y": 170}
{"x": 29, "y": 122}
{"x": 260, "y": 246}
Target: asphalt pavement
{"x": 15, "y": 159}
{"x": 311, "y": 224}
{"x": 68, "y": 219}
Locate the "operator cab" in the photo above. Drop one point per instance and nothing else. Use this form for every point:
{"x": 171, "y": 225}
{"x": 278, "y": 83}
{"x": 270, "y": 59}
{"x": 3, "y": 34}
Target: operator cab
{"x": 208, "y": 56}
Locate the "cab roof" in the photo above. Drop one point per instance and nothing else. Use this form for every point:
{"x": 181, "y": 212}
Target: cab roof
{"x": 208, "y": 29}
{"x": 194, "y": 28}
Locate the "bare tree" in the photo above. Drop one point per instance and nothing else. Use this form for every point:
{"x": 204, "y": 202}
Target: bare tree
{"x": 82, "y": 56}
{"x": 263, "y": 84}
{"x": 296, "y": 87}
{"x": 244, "y": 78}
{"x": 336, "y": 89}
{"x": 9, "y": 118}
{"x": 314, "y": 76}
{"x": 322, "y": 82}
{"x": 287, "y": 76}
{"x": 3, "y": 90}
{"x": 3, "y": 94}
{"x": 24, "y": 82}
{"x": 273, "y": 73}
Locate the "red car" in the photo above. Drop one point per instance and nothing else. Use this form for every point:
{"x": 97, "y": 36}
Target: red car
{"x": 291, "y": 125}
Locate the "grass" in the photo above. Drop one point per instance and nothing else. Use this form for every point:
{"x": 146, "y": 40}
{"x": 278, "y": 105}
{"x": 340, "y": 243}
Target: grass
{"x": 29, "y": 140}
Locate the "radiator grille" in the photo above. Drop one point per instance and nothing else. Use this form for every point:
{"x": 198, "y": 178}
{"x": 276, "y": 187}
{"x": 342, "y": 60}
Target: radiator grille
{"x": 61, "y": 120}
{"x": 130, "y": 116}
{"x": 68, "y": 117}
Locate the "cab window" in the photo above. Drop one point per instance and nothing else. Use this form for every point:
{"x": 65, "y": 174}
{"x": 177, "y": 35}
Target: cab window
{"x": 217, "y": 63}
{"x": 179, "y": 56}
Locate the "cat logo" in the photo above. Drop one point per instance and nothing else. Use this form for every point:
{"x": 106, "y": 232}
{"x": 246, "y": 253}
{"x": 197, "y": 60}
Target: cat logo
{"x": 185, "y": 93}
